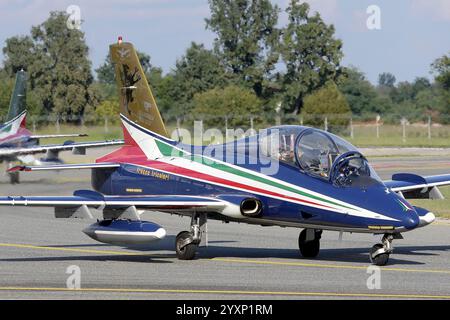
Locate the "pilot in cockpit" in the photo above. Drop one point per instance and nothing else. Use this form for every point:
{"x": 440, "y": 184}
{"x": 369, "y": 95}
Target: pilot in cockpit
{"x": 286, "y": 153}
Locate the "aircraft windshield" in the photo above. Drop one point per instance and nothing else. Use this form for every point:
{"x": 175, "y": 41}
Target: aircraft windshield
{"x": 317, "y": 152}
{"x": 329, "y": 157}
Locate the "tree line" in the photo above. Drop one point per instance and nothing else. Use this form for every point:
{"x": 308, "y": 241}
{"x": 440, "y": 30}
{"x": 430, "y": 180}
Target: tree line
{"x": 255, "y": 68}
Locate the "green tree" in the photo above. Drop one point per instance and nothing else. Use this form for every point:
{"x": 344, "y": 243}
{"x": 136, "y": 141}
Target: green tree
{"x": 386, "y": 79}
{"x": 419, "y": 84}
{"x": 166, "y": 98}
{"x": 328, "y": 102}
{"x": 18, "y": 53}
{"x": 441, "y": 69}
{"x": 59, "y": 70}
{"x": 428, "y": 100}
{"x": 311, "y": 53}
{"x": 108, "y": 109}
{"x": 402, "y": 92}
{"x": 358, "y": 91}
{"x": 382, "y": 105}
{"x": 197, "y": 71}
{"x": 247, "y": 39}
{"x": 6, "y": 87}
{"x": 235, "y": 103}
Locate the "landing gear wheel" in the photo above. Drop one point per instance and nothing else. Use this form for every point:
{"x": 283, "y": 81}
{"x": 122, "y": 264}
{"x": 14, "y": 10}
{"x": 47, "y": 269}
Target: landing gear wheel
{"x": 381, "y": 258}
{"x": 14, "y": 177}
{"x": 185, "y": 251}
{"x": 311, "y": 248}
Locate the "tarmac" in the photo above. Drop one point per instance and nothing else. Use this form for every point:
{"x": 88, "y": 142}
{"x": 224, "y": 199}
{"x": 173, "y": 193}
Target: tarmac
{"x": 38, "y": 255}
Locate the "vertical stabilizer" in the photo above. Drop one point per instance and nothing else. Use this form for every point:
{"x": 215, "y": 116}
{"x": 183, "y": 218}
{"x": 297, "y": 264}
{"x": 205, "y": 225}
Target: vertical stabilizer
{"x": 136, "y": 98}
{"x": 17, "y": 104}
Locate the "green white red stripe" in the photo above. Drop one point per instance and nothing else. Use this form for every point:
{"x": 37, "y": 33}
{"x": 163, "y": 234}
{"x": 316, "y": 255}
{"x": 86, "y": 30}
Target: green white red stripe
{"x": 173, "y": 160}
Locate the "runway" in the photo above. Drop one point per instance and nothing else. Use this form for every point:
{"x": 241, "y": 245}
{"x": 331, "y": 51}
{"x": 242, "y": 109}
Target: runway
{"x": 241, "y": 261}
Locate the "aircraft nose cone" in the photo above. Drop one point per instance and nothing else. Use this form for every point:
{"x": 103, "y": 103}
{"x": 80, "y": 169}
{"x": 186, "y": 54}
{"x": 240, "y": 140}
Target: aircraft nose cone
{"x": 426, "y": 219}
{"x": 411, "y": 221}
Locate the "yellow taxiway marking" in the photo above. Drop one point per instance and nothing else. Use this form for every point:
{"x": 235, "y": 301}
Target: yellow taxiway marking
{"x": 229, "y": 260}
{"x": 29, "y": 246}
{"x": 237, "y": 292}
{"x": 331, "y": 266}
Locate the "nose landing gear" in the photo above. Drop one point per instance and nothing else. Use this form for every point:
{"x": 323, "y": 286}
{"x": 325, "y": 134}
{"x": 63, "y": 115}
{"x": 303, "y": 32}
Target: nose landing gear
{"x": 379, "y": 254}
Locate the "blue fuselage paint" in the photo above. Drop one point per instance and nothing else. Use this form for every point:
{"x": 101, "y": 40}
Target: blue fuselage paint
{"x": 126, "y": 181}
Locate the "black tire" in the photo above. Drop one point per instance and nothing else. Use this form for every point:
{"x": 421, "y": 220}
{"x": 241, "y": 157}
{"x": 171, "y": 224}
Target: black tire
{"x": 308, "y": 249}
{"x": 188, "y": 251}
{"x": 380, "y": 259}
{"x": 14, "y": 177}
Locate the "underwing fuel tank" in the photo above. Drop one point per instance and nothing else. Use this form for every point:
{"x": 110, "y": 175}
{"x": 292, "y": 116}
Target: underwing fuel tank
{"x": 125, "y": 232}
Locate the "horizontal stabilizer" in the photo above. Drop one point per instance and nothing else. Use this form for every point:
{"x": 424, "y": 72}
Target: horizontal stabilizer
{"x": 412, "y": 186}
{"x": 55, "y": 148}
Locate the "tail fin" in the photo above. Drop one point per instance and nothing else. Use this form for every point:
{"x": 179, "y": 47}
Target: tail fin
{"x": 136, "y": 98}
{"x": 17, "y": 104}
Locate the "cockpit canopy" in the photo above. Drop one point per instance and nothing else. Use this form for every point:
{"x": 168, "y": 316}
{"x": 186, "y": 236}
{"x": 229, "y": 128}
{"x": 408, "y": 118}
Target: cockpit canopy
{"x": 315, "y": 152}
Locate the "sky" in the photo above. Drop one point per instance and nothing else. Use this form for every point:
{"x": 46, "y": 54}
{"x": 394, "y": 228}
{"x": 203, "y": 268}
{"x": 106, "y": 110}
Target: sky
{"x": 412, "y": 34}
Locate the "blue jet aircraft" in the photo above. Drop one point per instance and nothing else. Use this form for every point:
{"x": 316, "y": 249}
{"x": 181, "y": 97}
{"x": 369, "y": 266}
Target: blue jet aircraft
{"x": 321, "y": 182}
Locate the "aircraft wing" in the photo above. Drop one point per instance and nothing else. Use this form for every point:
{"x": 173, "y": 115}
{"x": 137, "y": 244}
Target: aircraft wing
{"x": 75, "y": 147}
{"x": 97, "y": 200}
{"x": 69, "y": 206}
{"x": 413, "y": 186}
{"x": 99, "y": 165}
{"x": 49, "y": 136}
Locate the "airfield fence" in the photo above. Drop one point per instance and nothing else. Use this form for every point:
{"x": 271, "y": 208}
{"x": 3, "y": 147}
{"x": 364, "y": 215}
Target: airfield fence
{"x": 361, "y": 130}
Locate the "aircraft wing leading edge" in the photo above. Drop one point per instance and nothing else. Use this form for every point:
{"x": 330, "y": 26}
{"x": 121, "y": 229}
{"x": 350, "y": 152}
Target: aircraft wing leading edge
{"x": 99, "y": 201}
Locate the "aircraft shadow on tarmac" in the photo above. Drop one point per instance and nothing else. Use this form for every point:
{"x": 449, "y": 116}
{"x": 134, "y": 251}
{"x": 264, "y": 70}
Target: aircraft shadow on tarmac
{"x": 150, "y": 253}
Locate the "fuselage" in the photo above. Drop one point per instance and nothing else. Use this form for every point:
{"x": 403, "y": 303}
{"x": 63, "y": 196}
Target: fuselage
{"x": 21, "y": 139}
{"x": 290, "y": 196}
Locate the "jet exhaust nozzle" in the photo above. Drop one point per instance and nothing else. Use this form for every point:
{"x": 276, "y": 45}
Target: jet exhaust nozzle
{"x": 241, "y": 207}
{"x": 251, "y": 207}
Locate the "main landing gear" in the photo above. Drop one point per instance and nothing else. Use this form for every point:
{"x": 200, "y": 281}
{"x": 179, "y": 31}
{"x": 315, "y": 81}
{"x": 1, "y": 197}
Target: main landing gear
{"x": 13, "y": 176}
{"x": 379, "y": 254}
{"x": 309, "y": 242}
{"x": 187, "y": 242}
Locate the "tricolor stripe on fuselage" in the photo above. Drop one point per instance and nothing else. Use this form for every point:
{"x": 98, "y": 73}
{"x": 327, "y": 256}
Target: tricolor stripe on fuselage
{"x": 166, "y": 157}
